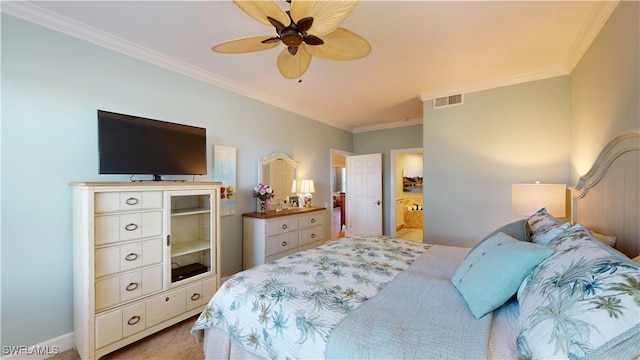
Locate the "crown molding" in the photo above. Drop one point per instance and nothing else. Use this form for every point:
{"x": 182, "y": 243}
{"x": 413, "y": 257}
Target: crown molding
{"x": 547, "y": 73}
{"x": 599, "y": 15}
{"x": 388, "y": 125}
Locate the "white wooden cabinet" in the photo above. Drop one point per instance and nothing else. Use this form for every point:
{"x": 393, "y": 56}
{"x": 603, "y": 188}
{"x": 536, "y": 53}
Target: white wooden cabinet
{"x": 270, "y": 236}
{"x": 146, "y": 256}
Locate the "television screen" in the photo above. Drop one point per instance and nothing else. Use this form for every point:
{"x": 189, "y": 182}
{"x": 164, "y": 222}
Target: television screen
{"x": 135, "y": 145}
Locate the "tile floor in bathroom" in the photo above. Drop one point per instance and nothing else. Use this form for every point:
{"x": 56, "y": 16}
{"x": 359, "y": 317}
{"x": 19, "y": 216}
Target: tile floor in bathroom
{"x": 409, "y": 234}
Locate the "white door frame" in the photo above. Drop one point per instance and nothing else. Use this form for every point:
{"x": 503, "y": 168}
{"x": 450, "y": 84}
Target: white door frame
{"x": 392, "y": 184}
{"x": 330, "y": 202}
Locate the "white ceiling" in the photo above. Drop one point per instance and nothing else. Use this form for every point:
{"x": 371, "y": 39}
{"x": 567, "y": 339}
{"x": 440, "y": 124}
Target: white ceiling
{"x": 420, "y": 49}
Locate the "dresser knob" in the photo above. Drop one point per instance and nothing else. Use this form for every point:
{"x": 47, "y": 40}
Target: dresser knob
{"x": 131, "y": 227}
{"x": 132, "y": 286}
{"x": 284, "y": 226}
{"x": 284, "y": 243}
{"x": 313, "y": 221}
{"x": 131, "y": 201}
{"x": 131, "y": 257}
{"x": 134, "y": 320}
{"x": 195, "y": 296}
{"x": 313, "y": 236}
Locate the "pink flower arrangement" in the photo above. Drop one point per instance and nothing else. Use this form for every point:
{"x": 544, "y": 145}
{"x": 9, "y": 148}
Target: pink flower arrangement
{"x": 263, "y": 192}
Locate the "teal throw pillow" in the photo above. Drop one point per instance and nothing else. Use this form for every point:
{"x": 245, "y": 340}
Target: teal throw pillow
{"x": 493, "y": 271}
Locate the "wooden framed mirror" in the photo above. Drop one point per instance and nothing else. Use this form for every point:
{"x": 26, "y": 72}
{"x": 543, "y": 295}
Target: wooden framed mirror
{"x": 278, "y": 170}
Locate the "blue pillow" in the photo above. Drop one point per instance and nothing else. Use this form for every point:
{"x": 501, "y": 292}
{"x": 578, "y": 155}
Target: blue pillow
{"x": 493, "y": 271}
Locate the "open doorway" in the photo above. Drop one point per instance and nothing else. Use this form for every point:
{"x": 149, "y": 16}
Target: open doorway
{"x": 338, "y": 181}
{"x": 406, "y": 194}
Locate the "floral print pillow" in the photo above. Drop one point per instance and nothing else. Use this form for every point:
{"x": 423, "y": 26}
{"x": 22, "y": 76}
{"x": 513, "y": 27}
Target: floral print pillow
{"x": 583, "y": 302}
{"x": 545, "y": 227}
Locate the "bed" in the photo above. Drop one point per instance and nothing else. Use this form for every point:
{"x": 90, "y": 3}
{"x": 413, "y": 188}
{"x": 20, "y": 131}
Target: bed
{"x": 532, "y": 289}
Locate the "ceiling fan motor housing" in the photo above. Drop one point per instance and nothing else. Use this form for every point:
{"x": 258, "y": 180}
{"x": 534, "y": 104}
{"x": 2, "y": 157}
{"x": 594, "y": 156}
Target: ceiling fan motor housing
{"x": 291, "y": 37}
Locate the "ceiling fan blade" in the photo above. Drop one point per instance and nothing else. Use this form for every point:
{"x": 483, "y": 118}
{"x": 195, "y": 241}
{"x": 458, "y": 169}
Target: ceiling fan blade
{"x": 327, "y": 15}
{"x": 276, "y": 24}
{"x": 292, "y": 67}
{"x": 313, "y": 40}
{"x": 245, "y": 45}
{"x": 304, "y": 24}
{"x": 271, "y": 40}
{"x": 262, "y": 10}
{"x": 341, "y": 44}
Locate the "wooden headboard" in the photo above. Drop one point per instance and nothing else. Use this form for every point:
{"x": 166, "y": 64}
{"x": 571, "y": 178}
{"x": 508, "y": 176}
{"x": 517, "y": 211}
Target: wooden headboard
{"x": 607, "y": 197}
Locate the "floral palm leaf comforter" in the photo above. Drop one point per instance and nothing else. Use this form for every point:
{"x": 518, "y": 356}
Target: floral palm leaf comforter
{"x": 288, "y": 308}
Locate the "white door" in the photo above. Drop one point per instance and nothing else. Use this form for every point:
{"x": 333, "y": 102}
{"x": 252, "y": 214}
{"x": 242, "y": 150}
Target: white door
{"x": 364, "y": 194}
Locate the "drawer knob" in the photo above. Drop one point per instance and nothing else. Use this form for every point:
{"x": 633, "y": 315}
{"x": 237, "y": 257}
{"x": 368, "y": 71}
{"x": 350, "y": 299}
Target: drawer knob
{"x": 132, "y": 286}
{"x": 284, "y": 226}
{"x": 195, "y": 296}
{"x": 131, "y": 201}
{"x": 313, "y": 221}
{"x": 134, "y": 320}
{"x": 284, "y": 243}
{"x": 313, "y": 236}
{"x": 131, "y": 257}
{"x": 131, "y": 227}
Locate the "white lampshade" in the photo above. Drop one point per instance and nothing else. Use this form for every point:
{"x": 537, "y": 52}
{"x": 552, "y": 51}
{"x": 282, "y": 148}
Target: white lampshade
{"x": 307, "y": 187}
{"x": 526, "y": 199}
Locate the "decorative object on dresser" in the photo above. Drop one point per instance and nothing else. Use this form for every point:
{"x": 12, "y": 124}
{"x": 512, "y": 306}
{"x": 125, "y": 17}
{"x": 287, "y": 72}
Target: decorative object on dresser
{"x": 279, "y": 171}
{"x": 307, "y": 188}
{"x": 264, "y": 193}
{"x": 275, "y": 234}
{"x": 146, "y": 256}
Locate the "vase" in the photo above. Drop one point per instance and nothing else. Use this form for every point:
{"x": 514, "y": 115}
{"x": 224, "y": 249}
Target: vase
{"x": 264, "y": 205}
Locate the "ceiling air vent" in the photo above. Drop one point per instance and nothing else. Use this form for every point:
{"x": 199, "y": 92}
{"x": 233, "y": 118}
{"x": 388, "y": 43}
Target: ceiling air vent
{"x": 448, "y": 101}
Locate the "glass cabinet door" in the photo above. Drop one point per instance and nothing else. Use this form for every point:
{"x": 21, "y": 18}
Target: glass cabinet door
{"x": 190, "y": 233}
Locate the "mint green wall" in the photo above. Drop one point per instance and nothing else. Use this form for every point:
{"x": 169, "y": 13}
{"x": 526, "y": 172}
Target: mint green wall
{"x": 474, "y": 152}
{"x": 605, "y": 100}
{"x": 383, "y": 141}
{"x": 52, "y": 85}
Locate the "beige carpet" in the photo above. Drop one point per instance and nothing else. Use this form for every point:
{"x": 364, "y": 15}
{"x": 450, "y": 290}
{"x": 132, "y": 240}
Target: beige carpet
{"x": 175, "y": 342}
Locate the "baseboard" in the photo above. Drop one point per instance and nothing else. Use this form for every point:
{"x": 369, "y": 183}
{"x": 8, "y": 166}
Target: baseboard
{"x": 39, "y": 351}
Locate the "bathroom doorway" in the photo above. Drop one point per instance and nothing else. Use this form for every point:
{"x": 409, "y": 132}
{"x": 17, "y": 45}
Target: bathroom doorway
{"x": 406, "y": 193}
{"x": 338, "y": 192}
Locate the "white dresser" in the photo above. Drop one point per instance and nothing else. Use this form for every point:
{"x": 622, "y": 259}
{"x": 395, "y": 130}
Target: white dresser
{"x": 270, "y": 236}
{"x": 146, "y": 256}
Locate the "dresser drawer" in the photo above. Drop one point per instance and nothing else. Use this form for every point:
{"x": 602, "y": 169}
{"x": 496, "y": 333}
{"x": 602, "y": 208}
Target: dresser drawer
{"x": 114, "y": 290}
{"x": 114, "y": 259}
{"x": 311, "y": 235}
{"x": 115, "y": 228}
{"x": 282, "y": 243}
{"x": 275, "y": 227}
{"x": 315, "y": 218}
{"x": 115, "y": 325}
{"x": 107, "y": 202}
{"x": 166, "y": 306}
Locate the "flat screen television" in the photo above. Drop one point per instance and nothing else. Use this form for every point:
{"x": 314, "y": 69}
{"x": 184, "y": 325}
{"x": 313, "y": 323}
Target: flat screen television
{"x": 134, "y": 145}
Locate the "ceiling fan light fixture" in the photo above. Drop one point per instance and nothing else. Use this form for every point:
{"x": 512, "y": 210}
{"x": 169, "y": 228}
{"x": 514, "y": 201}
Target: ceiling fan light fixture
{"x": 291, "y": 37}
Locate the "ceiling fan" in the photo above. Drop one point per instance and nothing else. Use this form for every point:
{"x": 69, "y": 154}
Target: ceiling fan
{"x": 309, "y": 28}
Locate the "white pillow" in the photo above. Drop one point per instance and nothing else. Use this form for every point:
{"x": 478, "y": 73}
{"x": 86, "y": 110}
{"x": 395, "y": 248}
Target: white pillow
{"x": 605, "y": 239}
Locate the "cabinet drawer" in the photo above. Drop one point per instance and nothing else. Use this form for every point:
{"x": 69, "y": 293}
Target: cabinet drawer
{"x": 106, "y": 202}
{"x": 114, "y": 228}
{"x": 275, "y": 227}
{"x": 316, "y": 218}
{"x": 280, "y": 243}
{"x": 114, "y": 259}
{"x": 166, "y": 306}
{"x": 114, "y": 290}
{"x": 118, "y": 324}
{"x": 311, "y": 235}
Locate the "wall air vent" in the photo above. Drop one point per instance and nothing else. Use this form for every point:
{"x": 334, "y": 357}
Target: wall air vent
{"x": 448, "y": 101}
